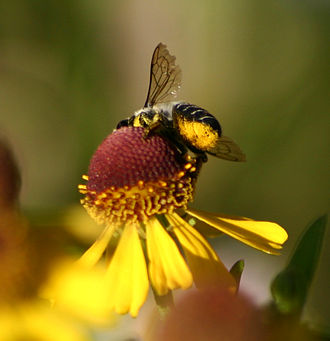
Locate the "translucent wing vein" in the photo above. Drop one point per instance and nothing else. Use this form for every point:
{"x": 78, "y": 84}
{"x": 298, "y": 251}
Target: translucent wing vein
{"x": 165, "y": 77}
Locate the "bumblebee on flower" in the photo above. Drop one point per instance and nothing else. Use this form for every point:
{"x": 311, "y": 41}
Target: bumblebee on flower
{"x": 139, "y": 183}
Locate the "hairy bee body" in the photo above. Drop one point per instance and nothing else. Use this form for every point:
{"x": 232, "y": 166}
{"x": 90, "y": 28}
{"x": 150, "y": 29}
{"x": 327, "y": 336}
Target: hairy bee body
{"x": 199, "y": 129}
{"x": 188, "y": 126}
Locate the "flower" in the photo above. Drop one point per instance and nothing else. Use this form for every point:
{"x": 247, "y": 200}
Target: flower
{"x": 35, "y": 320}
{"x": 139, "y": 187}
{"x": 78, "y": 292}
{"x": 15, "y": 255}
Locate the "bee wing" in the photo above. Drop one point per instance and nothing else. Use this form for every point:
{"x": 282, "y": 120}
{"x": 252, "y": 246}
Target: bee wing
{"x": 227, "y": 149}
{"x": 165, "y": 77}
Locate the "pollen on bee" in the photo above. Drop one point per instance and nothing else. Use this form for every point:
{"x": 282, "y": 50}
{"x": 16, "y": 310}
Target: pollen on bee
{"x": 85, "y": 177}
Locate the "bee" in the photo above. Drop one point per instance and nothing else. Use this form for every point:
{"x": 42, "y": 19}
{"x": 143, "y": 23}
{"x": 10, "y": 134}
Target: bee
{"x": 188, "y": 126}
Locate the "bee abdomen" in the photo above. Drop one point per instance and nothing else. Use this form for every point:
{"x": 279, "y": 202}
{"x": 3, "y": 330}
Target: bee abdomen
{"x": 194, "y": 113}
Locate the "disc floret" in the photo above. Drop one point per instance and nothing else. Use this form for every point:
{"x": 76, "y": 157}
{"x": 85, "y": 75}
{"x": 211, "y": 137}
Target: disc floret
{"x": 132, "y": 177}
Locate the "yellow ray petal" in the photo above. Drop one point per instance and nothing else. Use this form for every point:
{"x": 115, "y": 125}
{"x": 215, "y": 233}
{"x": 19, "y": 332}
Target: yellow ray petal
{"x": 127, "y": 277}
{"x": 204, "y": 229}
{"x": 206, "y": 267}
{"x": 167, "y": 268}
{"x": 262, "y": 235}
{"x": 95, "y": 252}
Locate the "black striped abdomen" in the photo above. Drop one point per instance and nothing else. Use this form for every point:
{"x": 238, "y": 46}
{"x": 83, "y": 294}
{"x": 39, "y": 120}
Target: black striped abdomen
{"x": 194, "y": 113}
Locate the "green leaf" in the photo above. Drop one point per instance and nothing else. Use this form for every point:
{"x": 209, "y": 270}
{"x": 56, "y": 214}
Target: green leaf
{"x": 237, "y": 270}
{"x": 290, "y": 287}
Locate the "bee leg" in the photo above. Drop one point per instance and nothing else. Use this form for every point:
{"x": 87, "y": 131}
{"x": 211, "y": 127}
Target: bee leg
{"x": 151, "y": 128}
{"x": 202, "y": 157}
{"x": 158, "y": 125}
{"x": 181, "y": 148}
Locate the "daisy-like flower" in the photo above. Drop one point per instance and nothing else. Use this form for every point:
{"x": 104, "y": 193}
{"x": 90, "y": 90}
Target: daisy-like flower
{"x": 139, "y": 189}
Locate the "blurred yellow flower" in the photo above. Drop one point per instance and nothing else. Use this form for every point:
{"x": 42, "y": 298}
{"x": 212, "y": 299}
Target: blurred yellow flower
{"x": 80, "y": 292}
{"x": 78, "y": 224}
{"x": 139, "y": 188}
{"x": 34, "y": 320}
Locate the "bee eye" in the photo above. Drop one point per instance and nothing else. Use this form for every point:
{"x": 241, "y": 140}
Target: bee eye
{"x": 145, "y": 118}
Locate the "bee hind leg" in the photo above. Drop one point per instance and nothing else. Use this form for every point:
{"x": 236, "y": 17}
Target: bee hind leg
{"x": 200, "y": 155}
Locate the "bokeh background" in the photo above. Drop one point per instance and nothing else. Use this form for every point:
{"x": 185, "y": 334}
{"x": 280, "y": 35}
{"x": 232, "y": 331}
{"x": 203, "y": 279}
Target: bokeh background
{"x": 70, "y": 70}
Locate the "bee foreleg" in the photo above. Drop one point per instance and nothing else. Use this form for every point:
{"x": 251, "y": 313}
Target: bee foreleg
{"x": 158, "y": 124}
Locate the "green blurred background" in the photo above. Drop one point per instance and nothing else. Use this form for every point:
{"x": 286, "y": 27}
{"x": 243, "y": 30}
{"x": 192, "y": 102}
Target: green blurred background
{"x": 70, "y": 70}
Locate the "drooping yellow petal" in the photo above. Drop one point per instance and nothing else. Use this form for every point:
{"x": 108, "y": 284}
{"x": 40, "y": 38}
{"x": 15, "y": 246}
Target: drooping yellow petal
{"x": 127, "y": 277}
{"x": 262, "y": 235}
{"x": 206, "y": 267}
{"x": 95, "y": 252}
{"x": 167, "y": 268}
